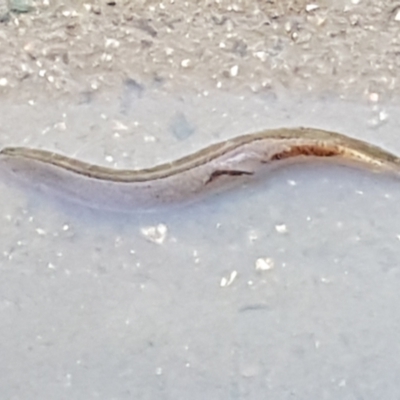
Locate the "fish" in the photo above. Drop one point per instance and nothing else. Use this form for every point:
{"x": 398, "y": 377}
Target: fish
{"x": 219, "y": 166}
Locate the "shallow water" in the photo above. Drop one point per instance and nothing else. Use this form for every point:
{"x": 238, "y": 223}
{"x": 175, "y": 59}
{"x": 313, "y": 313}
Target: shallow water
{"x": 287, "y": 288}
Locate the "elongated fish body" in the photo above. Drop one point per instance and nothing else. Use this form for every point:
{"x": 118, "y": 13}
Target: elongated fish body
{"x": 214, "y": 168}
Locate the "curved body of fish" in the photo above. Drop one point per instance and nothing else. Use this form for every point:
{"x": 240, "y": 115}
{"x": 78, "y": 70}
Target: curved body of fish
{"x": 213, "y": 168}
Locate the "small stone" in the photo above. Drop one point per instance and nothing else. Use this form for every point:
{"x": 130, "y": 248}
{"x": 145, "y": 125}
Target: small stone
{"x": 185, "y": 63}
{"x": 311, "y": 7}
{"x": 264, "y": 264}
{"x": 155, "y": 234}
{"x": 281, "y": 228}
{"x": 21, "y": 6}
{"x": 234, "y": 70}
{"x": 228, "y": 281}
{"x": 119, "y": 126}
{"x": 113, "y": 43}
{"x": 373, "y": 97}
{"x": 262, "y": 55}
{"x": 383, "y": 115}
